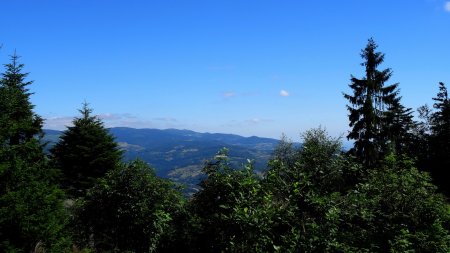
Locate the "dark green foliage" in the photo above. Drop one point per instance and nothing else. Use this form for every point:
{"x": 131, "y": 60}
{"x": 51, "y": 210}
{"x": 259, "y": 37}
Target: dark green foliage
{"x": 395, "y": 209}
{"x": 31, "y": 211}
{"x": 439, "y": 163}
{"x": 289, "y": 211}
{"x": 422, "y": 133}
{"x": 130, "y": 209}
{"x": 285, "y": 152}
{"x": 85, "y": 152}
{"x": 18, "y": 123}
{"x": 255, "y": 216}
{"x": 327, "y": 203}
{"x": 215, "y": 203}
{"x": 432, "y": 140}
{"x": 399, "y": 130}
{"x": 319, "y": 161}
{"x": 369, "y": 104}
{"x": 317, "y": 199}
{"x": 309, "y": 192}
{"x": 234, "y": 212}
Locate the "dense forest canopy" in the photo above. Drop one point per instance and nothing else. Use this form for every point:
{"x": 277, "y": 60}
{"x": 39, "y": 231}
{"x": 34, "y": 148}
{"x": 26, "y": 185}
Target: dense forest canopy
{"x": 389, "y": 193}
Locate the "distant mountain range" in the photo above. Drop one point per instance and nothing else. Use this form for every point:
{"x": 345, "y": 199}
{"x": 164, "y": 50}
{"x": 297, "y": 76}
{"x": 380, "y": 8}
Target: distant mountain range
{"x": 180, "y": 154}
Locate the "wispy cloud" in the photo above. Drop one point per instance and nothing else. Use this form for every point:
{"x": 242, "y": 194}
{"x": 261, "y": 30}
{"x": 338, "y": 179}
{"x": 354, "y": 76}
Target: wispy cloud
{"x": 110, "y": 120}
{"x": 115, "y": 116}
{"x": 447, "y": 6}
{"x": 166, "y": 119}
{"x": 255, "y": 121}
{"x": 130, "y": 120}
{"x": 228, "y": 94}
{"x": 123, "y": 120}
{"x": 58, "y": 123}
{"x": 284, "y": 93}
{"x": 245, "y": 123}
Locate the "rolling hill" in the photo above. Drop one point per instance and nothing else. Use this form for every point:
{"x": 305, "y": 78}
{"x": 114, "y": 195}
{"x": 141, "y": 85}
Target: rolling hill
{"x": 180, "y": 154}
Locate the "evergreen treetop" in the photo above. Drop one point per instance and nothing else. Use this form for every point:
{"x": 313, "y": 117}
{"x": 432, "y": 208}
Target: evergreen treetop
{"x": 370, "y": 101}
{"x": 85, "y": 152}
{"x": 440, "y": 140}
{"x": 18, "y": 122}
{"x": 31, "y": 211}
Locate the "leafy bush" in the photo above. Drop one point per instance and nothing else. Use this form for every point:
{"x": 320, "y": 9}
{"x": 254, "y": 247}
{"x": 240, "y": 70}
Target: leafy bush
{"x": 130, "y": 209}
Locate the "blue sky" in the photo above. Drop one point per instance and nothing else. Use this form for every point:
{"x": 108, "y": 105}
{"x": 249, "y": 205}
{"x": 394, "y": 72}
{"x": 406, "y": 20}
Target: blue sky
{"x": 246, "y": 67}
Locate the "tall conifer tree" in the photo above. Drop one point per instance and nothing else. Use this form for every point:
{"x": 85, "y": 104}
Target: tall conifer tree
{"x": 31, "y": 211}
{"x": 440, "y": 139}
{"x": 18, "y": 123}
{"x": 85, "y": 152}
{"x": 369, "y": 103}
{"x": 399, "y": 130}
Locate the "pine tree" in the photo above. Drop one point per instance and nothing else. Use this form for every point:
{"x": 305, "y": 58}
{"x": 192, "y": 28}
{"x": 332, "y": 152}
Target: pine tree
{"x": 85, "y": 152}
{"x": 18, "y": 123}
{"x": 422, "y": 133}
{"x": 369, "y": 102}
{"x": 31, "y": 211}
{"x": 440, "y": 139}
{"x": 398, "y": 130}
{"x": 441, "y": 118}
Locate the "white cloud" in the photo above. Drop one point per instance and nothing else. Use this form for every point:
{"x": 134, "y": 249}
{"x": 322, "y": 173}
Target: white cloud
{"x": 115, "y": 116}
{"x": 447, "y": 6}
{"x": 244, "y": 124}
{"x": 116, "y": 120}
{"x": 58, "y": 123}
{"x": 284, "y": 93}
{"x": 256, "y": 121}
{"x": 166, "y": 119}
{"x": 125, "y": 120}
{"x": 110, "y": 120}
{"x": 229, "y": 94}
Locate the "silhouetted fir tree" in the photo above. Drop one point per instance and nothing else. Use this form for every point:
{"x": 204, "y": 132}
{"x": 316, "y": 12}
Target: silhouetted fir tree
{"x": 85, "y": 152}
{"x": 421, "y": 133}
{"x": 440, "y": 140}
{"x": 399, "y": 129}
{"x": 369, "y": 102}
{"x": 18, "y": 122}
{"x": 31, "y": 211}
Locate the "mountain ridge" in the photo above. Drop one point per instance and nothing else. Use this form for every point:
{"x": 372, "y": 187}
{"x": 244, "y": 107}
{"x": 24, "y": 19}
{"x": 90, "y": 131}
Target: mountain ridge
{"x": 180, "y": 154}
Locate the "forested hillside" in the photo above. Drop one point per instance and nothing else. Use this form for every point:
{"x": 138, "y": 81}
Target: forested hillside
{"x": 389, "y": 193}
{"x": 180, "y": 154}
